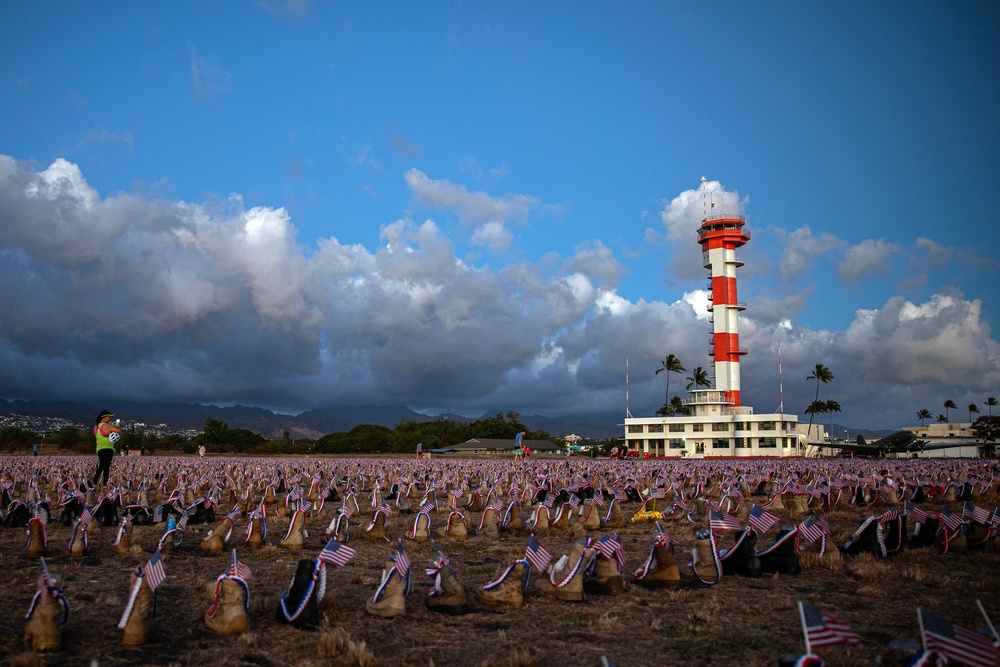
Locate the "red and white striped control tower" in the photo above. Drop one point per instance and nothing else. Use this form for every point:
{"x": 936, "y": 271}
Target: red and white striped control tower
{"x": 720, "y": 235}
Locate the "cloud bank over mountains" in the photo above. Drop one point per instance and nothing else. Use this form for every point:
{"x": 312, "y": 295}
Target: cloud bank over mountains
{"x": 131, "y": 296}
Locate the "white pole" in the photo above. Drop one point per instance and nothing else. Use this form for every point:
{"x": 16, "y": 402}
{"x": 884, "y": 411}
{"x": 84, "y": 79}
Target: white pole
{"x": 805, "y": 633}
{"x": 920, "y": 620}
{"x": 993, "y": 630}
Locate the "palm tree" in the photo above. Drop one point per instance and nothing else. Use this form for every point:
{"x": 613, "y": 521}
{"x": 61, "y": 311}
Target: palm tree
{"x": 942, "y": 419}
{"x": 949, "y": 405}
{"x": 973, "y": 408}
{"x": 990, "y": 402}
{"x": 831, "y": 407}
{"x": 815, "y": 408}
{"x": 924, "y": 414}
{"x": 671, "y": 364}
{"x": 698, "y": 378}
{"x": 821, "y": 374}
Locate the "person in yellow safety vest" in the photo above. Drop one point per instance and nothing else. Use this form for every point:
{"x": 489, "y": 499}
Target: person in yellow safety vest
{"x": 106, "y": 434}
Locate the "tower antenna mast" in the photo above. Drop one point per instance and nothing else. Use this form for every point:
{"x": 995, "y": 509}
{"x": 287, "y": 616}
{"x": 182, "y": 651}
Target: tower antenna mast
{"x": 627, "y": 413}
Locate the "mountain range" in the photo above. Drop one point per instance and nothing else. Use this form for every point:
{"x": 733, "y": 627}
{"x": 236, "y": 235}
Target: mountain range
{"x": 316, "y": 423}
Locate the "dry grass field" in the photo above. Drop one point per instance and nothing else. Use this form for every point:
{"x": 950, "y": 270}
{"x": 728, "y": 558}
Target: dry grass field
{"x": 739, "y": 621}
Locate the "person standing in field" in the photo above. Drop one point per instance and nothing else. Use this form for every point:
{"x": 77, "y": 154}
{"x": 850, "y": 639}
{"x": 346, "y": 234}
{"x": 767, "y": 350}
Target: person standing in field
{"x": 106, "y": 434}
{"x": 518, "y": 443}
{"x": 420, "y": 450}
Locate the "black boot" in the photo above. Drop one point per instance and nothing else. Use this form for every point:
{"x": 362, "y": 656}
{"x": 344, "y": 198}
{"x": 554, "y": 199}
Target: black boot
{"x": 291, "y": 608}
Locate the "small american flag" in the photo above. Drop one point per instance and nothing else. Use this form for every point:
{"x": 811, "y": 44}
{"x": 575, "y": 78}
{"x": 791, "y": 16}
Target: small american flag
{"x": 574, "y": 500}
{"x": 537, "y": 555}
{"x": 239, "y": 569}
{"x": 402, "y": 561}
{"x": 87, "y": 517}
{"x": 658, "y": 493}
{"x": 810, "y": 531}
{"x": 611, "y": 547}
{"x": 954, "y": 642}
{"x": 46, "y": 579}
{"x": 153, "y": 573}
{"x": 720, "y": 521}
{"x": 305, "y": 505}
{"x": 822, "y": 629}
{"x": 823, "y": 524}
{"x": 761, "y": 520}
{"x": 339, "y": 554}
{"x": 950, "y": 519}
{"x": 427, "y": 509}
{"x": 182, "y": 524}
{"x": 549, "y": 500}
{"x": 977, "y": 514}
{"x": 891, "y": 515}
{"x": 679, "y": 503}
{"x": 496, "y": 505}
{"x": 913, "y": 511}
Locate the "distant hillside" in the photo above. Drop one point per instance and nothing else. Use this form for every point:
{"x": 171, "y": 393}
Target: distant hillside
{"x": 315, "y": 423}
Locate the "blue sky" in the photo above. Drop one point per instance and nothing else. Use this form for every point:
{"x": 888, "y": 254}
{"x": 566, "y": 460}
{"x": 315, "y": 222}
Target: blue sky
{"x": 485, "y": 206}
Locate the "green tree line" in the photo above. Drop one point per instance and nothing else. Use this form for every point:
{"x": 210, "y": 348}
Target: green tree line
{"x": 218, "y": 438}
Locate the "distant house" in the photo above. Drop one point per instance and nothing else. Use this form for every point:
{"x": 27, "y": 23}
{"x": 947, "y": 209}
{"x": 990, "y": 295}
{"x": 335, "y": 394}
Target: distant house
{"x": 496, "y": 446}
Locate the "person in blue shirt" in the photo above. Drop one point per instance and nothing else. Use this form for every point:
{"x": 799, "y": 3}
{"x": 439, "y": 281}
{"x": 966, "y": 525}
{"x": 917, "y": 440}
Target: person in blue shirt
{"x": 518, "y": 452}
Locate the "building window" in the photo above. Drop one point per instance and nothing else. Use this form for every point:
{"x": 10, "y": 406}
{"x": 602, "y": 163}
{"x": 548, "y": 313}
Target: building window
{"x": 656, "y": 428}
{"x": 767, "y": 426}
{"x": 741, "y": 442}
{"x": 676, "y": 443}
{"x": 677, "y": 428}
{"x": 698, "y": 427}
{"x": 720, "y": 443}
{"x": 768, "y": 443}
{"x": 699, "y": 448}
{"x": 720, "y": 426}
{"x": 635, "y": 428}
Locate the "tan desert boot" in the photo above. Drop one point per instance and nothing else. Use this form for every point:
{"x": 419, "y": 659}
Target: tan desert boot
{"x": 513, "y": 519}
{"x": 489, "y": 522}
{"x": 508, "y": 589}
{"x": 390, "y": 598}
{"x": 36, "y": 538}
{"x": 218, "y": 536}
{"x": 448, "y": 594}
{"x": 140, "y": 625}
{"x": 591, "y": 519}
{"x": 455, "y": 529}
{"x": 704, "y": 567}
{"x": 614, "y": 519}
{"x": 123, "y": 544}
{"x": 565, "y": 579}
{"x": 376, "y": 529}
{"x": 294, "y": 538}
{"x": 228, "y": 615}
{"x": 255, "y": 532}
{"x": 42, "y": 629}
{"x": 421, "y": 528}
